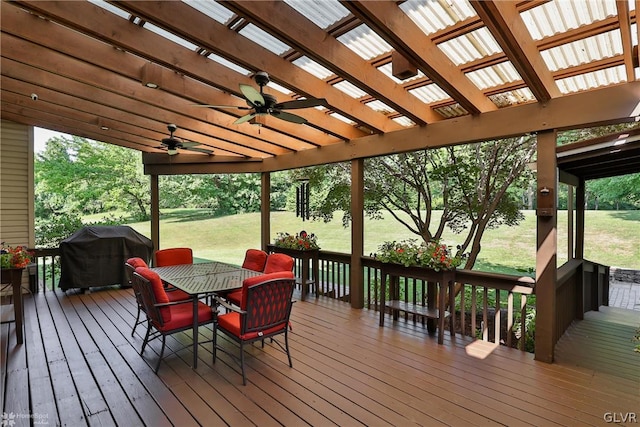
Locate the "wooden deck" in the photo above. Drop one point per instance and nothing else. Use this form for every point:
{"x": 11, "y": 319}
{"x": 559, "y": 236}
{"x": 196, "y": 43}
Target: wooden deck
{"x": 80, "y": 366}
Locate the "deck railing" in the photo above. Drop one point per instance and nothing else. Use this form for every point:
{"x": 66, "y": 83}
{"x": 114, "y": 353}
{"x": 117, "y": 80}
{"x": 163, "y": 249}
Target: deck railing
{"x": 47, "y": 269}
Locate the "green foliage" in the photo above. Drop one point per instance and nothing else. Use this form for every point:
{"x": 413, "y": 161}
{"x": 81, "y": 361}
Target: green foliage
{"x": 52, "y": 230}
{"x": 431, "y": 255}
{"x": 301, "y": 241}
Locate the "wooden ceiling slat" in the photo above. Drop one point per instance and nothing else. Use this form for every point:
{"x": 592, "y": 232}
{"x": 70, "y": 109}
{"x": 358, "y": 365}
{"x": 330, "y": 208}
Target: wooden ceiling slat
{"x": 624, "y": 20}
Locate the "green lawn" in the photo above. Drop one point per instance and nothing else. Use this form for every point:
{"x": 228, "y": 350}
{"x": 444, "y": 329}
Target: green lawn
{"x": 612, "y": 237}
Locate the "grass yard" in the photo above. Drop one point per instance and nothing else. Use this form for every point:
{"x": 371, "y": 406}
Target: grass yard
{"x": 612, "y": 237}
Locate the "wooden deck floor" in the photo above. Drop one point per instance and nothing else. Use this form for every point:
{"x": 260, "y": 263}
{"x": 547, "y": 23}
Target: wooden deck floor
{"x": 80, "y": 366}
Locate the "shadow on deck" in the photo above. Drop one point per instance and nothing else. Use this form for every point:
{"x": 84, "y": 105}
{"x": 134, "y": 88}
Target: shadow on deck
{"x": 80, "y": 366}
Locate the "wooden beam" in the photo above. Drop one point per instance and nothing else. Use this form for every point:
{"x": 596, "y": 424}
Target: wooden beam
{"x": 624, "y": 21}
{"x": 506, "y": 25}
{"x": 300, "y": 33}
{"x": 546, "y": 247}
{"x": 397, "y": 29}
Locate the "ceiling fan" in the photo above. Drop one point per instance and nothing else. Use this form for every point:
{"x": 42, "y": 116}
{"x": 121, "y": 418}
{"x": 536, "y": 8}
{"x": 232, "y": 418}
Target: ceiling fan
{"x": 260, "y": 103}
{"x": 172, "y": 143}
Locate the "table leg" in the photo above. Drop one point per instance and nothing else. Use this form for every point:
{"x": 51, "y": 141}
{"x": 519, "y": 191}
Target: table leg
{"x": 195, "y": 331}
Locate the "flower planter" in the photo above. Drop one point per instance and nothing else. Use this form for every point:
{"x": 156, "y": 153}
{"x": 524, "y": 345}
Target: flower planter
{"x": 13, "y": 276}
{"x": 435, "y": 313}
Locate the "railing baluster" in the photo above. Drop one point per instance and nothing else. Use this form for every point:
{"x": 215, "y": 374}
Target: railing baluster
{"x": 509, "y": 318}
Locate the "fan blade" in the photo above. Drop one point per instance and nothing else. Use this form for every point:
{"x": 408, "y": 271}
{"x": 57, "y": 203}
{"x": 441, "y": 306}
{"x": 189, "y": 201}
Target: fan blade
{"x": 289, "y": 117}
{"x": 189, "y": 144}
{"x": 244, "y": 119}
{"x": 252, "y": 95}
{"x": 222, "y": 106}
{"x": 201, "y": 150}
{"x": 301, "y": 103}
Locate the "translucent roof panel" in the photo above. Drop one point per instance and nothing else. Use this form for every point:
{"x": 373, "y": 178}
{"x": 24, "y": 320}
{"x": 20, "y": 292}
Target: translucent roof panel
{"x": 342, "y": 118}
{"x": 404, "y": 121}
{"x": 170, "y": 36}
{"x": 386, "y": 69}
{"x": 429, "y": 94}
{"x": 593, "y": 80}
{"x": 454, "y": 110}
{"x": 313, "y": 67}
{"x": 513, "y": 97}
{"x": 264, "y": 39}
{"x": 380, "y": 107}
{"x": 560, "y": 16}
{"x": 474, "y": 45}
{"x": 111, "y": 8}
{"x": 590, "y": 49}
{"x": 350, "y": 89}
{"x": 432, "y": 16}
{"x": 212, "y": 9}
{"x": 279, "y": 88}
{"x": 494, "y": 76}
{"x": 323, "y": 13}
{"x": 220, "y": 60}
{"x": 365, "y": 42}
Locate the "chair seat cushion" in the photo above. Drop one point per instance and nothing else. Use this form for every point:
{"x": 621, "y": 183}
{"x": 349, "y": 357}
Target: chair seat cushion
{"x": 177, "y": 295}
{"x": 231, "y": 322}
{"x": 182, "y": 316}
{"x": 235, "y": 297}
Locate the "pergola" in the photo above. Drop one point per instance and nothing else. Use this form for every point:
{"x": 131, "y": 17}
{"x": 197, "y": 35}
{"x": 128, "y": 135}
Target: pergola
{"x": 397, "y": 77}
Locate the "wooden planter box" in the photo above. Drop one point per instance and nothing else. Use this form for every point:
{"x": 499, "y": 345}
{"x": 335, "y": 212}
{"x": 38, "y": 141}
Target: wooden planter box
{"x": 308, "y": 257}
{"x": 434, "y": 312}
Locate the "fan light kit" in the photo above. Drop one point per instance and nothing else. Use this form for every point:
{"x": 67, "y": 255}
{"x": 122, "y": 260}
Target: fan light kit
{"x": 262, "y": 104}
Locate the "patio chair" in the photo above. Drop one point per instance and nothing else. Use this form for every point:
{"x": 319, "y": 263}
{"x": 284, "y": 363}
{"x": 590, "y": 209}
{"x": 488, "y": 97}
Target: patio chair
{"x": 174, "y": 294}
{"x": 278, "y": 262}
{"x": 165, "y": 317}
{"x": 264, "y": 313}
{"x": 173, "y": 256}
{"x": 255, "y": 259}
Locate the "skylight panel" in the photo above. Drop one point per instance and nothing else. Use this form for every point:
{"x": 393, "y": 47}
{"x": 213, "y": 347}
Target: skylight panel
{"x": 322, "y": 13}
{"x": 561, "y": 16}
{"x": 432, "y": 16}
{"x": 404, "y": 121}
{"x": 264, "y": 39}
{"x": 472, "y": 46}
{"x": 212, "y": 9}
{"x": 342, "y": 118}
{"x": 222, "y": 61}
{"x": 312, "y": 67}
{"x": 429, "y": 94}
{"x": 387, "y": 70}
{"x": 170, "y": 36}
{"x": 279, "y": 88}
{"x": 350, "y": 89}
{"x": 593, "y": 80}
{"x": 380, "y": 107}
{"x": 513, "y": 97}
{"x": 590, "y": 49}
{"x": 111, "y": 8}
{"x": 365, "y": 42}
{"x": 494, "y": 76}
{"x": 449, "y": 111}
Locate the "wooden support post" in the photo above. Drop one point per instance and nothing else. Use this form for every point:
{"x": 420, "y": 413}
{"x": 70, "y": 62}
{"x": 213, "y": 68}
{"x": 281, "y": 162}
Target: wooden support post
{"x": 357, "y": 233}
{"x": 265, "y": 209}
{"x": 155, "y": 212}
{"x": 580, "y": 199}
{"x": 547, "y": 247}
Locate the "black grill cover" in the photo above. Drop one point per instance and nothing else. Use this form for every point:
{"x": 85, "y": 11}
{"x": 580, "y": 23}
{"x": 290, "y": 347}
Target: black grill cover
{"x": 95, "y": 256}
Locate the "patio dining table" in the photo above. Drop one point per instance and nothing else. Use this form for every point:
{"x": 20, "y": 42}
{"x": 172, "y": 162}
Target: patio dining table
{"x": 203, "y": 279}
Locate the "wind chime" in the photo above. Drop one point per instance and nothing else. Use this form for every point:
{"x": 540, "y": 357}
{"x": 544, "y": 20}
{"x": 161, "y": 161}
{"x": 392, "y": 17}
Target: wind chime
{"x": 302, "y": 199}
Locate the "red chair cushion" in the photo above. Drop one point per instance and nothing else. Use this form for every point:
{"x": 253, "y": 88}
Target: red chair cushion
{"x": 182, "y": 316}
{"x": 235, "y": 297}
{"x": 136, "y": 262}
{"x": 255, "y": 259}
{"x": 158, "y": 290}
{"x": 231, "y": 322}
{"x": 278, "y": 262}
{"x": 174, "y": 256}
{"x": 250, "y": 281}
{"x": 177, "y": 295}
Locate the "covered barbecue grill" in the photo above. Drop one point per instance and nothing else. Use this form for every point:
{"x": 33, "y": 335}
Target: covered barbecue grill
{"x": 95, "y": 256}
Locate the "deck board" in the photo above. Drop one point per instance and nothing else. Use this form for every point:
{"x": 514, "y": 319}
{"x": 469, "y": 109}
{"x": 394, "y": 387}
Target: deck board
{"x": 84, "y": 368}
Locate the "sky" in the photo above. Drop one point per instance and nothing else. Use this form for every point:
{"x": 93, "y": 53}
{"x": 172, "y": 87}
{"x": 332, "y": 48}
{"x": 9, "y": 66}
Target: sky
{"x": 41, "y": 136}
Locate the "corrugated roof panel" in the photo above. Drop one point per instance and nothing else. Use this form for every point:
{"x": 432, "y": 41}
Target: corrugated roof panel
{"x": 404, "y": 121}
{"x": 449, "y": 111}
{"x": 365, "y": 42}
{"x": 593, "y": 80}
{"x": 342, "y": 118}
{"x": 380, "y": 107}
{"x": 313, "y": 67}
{"x": 212, "y": 9}
{"x": 264, "y": 39}
{"x": 560, "y": 16}
{"x": 494, "y": 76}
{"x": 387, "y": 71}
{"x": 513, "y": 97}
{"x": 279, "y": 88}
{"x": 474, "y": 45}
{"x": 222, "y": 61}
{"x": 170, "y": 36}
{"x": 322, "y": 13}
{"x": 429, "y": 94}
{"x": 432, "y": 16}
{"x": 111, "y": 8}
{"x": 583, "y": 51}
{"x": 350, "y": 89}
